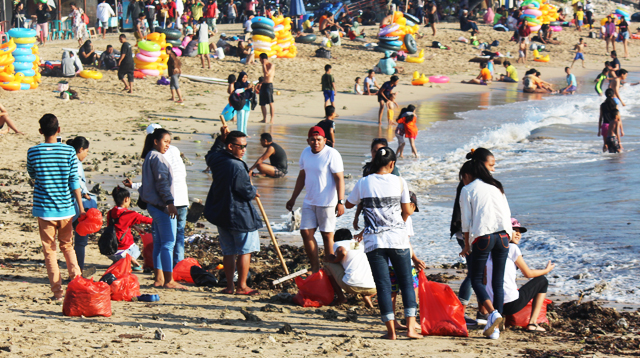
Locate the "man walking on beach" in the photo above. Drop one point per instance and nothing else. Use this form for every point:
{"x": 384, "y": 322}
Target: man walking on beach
{"x": 54, "y": 169}
{"x": 266, "y": 90}
{"x": 125, "y": 65}
{"x": 228, "y": 206}
{"x": 321, "y": 173}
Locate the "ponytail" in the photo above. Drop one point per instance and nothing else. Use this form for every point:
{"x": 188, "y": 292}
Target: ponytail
{"x": 478, "y": 158}
{"x": 149, "y": 141}
{"x": 384, "y": 156}
{"x": 78, "y": 143}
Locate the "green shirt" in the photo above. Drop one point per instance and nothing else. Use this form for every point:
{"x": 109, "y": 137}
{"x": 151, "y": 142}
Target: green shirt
{"x": 327, "y": 82}
{"x": 512, "y": 73}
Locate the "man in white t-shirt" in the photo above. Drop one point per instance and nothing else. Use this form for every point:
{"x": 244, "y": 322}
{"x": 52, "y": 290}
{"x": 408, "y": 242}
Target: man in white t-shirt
{"x": 247, "y": 26}
{"x": 321, "y": 173}
{"x": 349, "y": 269}
{"x": 103, "y": 13}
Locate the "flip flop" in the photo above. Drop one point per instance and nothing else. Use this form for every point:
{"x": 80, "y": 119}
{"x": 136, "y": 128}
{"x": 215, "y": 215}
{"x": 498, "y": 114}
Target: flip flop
{"x": 537, "y": 328}
{"x": 250, "y": 293}
{"x": 137, "y": 268}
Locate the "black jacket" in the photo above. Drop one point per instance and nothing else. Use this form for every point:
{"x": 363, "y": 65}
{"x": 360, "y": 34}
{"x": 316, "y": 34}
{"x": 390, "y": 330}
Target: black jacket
{"x": 229, "y": 200}
{"x": 456, "y": 217}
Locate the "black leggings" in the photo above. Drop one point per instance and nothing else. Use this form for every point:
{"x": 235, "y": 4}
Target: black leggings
{"x": 527, "y": 292}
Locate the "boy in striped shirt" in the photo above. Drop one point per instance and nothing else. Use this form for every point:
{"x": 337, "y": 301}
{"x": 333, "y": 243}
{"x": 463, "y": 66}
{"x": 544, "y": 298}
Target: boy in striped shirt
{"x": 54, "y": 169}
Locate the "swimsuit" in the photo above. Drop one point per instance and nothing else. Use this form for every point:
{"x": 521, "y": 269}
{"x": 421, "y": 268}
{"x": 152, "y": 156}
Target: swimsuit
{"x": 266, "y": 94}
{"x": 599, "y": 81}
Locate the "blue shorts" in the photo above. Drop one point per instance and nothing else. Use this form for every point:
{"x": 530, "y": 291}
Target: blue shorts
{"x": 394, "y": 282}
{"x": 580, "y": 23}
{"x": 570, "y": 89}
{"x": 133, "y": 251}
{"x": 238, "y": 243}
{"x": 616, "y": 100}
{"x": 579, "y": 56}
{"x": 328, "y": 95}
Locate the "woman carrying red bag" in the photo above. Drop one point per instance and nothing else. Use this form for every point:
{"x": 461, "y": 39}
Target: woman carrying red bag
{"x": 516, "y": 299}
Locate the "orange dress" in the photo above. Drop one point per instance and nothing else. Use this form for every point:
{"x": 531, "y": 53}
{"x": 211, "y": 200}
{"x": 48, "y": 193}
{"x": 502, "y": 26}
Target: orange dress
{"x": 410, "y": 128}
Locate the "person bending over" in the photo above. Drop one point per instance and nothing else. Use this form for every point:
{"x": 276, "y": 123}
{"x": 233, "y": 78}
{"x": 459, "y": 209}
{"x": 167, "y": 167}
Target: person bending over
{"x": 277, "y": 167}
{"x": 516, "y": 299}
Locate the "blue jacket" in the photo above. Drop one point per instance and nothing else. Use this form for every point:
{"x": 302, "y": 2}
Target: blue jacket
{"x": 229, "y": 200}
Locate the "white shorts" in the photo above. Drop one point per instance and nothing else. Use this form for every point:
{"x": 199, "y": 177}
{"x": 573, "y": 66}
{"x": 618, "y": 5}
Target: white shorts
{"x": 400, "y": 139}
{"x": 322, "y": 218}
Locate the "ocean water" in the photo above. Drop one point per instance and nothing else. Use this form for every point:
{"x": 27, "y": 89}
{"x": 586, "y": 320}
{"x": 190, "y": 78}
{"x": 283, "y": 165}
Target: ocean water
{"x": 581, "y": 206}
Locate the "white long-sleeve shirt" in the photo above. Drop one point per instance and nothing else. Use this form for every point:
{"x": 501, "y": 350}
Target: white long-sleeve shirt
{"x": 484, "y": 210}
{"x": 179, "y": 171}
{"x": 104, "y": 12}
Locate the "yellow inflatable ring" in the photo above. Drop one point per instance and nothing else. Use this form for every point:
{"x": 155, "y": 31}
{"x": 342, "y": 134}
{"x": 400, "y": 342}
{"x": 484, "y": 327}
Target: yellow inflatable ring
{"x": 28, "y": 80}
{"x": 34, "y": 85}
{"x": 24, "y": 40}
{"x": 269, "y": 53}
{"x": 91, "y": 74}
{"x": 147, "y": 66}
{"x": 414, "y": 59}
{"x": 10, "y": 86}
{"x": 262, "y": 38}
{"x": 420, "y": 80}
{"x": 154, "y": 36}
{"x": 543, "y": 59}
{"x": 7, "y": 77}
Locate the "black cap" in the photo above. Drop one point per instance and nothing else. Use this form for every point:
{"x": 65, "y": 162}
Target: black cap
{"x": 414, "y": 200}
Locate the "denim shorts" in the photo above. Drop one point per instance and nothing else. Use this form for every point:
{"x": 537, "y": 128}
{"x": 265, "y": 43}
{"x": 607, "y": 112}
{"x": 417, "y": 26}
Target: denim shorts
{"x": 133, "y": 251}
{"x": 395, "y": 288}
{"x": 238, "y": 243}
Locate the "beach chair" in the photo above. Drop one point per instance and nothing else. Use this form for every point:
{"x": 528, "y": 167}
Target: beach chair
{"x": 92, "y": 33}
{"x": 55, "y": 30}
{"x": 67, "y": 31}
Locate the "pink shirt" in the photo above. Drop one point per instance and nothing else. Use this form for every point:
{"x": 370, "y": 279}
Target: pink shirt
{"x": 251, "y": 6}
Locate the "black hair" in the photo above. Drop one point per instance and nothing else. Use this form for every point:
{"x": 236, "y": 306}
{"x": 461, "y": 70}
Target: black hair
{"x": 231, "y": 79}
{"x": 384, "y": 156}
{"x": 231, "y": 137}
{"x": 614, "y": 112}
{"x": 49, "y": 125}
{"x": 394, "y": 78}
{"x": 342, "y": 235}
{"x": 357, "y": 78}
{"x": 263, "y": 56}
{"x": 377, "y": 141}
{"x": 479, "y": 170}
{"x": 329, "y": 110}
{"x": 507, "y": 63}
{"x": 249, "y": 13}
{"x": 141, "y": 15}
{"x": 149, "y": 141}
{"x": 370, "y": 71}
{"x": 614, "y": 53}
{"x": 123, "y": 36}
{"x": 538, "y": 73}
{"x": 78, "y": 143}
{"x": 566, "y": 68}
{"x": 483, "y": 65}
{"x": 311, "y": 18}
{"x": 327, "y": 68}
{"x": 410, "y": 108}
{"x": 73, "y": 4}
{"x": 260, "y": 79}
{"x": 109, "y": 46}
{"x": 119, "y": 195}
{"x": 266, "y": 136}
{"x": 622, "y": 72}
{"x": 609, "y": 103}
{"x": 466, "y": 169}
{"x": 609, "y": 93}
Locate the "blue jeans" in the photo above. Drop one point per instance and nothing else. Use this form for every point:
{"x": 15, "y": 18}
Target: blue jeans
{"x": 243, "y": 118}
{"x": 164, "y": 238}
{"x": 401, "y": 261}
{"x": 79, "y": 245}
{"x": 464, "y": 295}
{"x": 496, "y": 244}
{"x": 178, "y": 250}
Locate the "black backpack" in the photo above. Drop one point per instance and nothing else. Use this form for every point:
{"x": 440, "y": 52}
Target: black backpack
{"x": 237, "y": 100}
{"x": 323, "y": 53}
{"x": 108, "y": 242}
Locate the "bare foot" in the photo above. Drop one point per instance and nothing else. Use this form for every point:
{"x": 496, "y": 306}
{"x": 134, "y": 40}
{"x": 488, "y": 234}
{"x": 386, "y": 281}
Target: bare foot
{"x": 227, "y": 291}
{"x": 263, "y": 121}
{"x": 158, "y": 284}
{"x": 171, "y": 99}
{"x": 388, "y": 336}
{"x": 180, "y": 101}
{"x": 400, "y": 326}
{"x": 414, "y": 335}
{"x": 174, "y": 285}
{"x": 130, "y": 91}
{"x": 125, "y": 89}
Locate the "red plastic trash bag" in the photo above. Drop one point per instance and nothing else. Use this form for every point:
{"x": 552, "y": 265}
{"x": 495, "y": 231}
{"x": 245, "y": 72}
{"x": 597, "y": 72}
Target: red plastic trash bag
{"x": 521, "y": 318}
{"x": 87, "y": 298}
{"x": 120, "y": 268}
{"x": 147, "y": 250}
{"x": 123, "y": 289}
{"x": 314, "y": 291}
{"x": 89, "y": 223}
{"x": 182, "y": 271}
{"x": 441, "y": 313}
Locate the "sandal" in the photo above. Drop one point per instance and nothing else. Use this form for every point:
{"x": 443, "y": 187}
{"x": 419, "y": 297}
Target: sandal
{"x": 537, "y": 328}
{"x": 249, "y": 293}
{"x": 137, "y": 268}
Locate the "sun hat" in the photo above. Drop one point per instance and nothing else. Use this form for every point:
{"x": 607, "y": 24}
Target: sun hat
{"x": 516, "y": 226}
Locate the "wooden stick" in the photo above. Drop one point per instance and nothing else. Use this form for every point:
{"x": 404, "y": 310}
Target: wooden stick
{"x": 224, "y": 123}
{"x": 273, "y": 237}
{"x": 293, "y": 275}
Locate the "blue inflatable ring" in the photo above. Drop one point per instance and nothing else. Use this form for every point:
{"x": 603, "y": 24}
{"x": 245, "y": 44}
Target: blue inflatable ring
{"x": 21, "y": 32}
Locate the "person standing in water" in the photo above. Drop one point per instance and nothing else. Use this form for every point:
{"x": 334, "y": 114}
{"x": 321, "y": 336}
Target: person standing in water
{"x": 266, "y": 90}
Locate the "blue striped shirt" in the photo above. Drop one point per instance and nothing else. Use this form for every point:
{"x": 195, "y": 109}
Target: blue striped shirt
{"x": 54, "y": 168}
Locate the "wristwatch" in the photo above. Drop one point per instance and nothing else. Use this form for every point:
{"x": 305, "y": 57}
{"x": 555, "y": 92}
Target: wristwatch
{"x": 341, "y": 202}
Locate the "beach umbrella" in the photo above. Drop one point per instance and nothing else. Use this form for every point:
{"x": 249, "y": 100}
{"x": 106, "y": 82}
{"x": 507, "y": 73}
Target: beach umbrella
{"x": 297, "y": 8}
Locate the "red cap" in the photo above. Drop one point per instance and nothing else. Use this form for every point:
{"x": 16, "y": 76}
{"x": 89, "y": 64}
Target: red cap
{"x": 316, "y": 131}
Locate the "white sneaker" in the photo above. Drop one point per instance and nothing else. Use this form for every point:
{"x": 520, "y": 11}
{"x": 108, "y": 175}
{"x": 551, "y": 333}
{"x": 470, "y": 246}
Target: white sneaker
{"x": 495, "y": 334}
{"x": 493, "y": 321}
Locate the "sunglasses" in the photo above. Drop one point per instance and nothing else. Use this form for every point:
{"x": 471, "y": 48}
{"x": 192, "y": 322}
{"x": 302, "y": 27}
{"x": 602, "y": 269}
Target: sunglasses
{"x": 242, "y": 146}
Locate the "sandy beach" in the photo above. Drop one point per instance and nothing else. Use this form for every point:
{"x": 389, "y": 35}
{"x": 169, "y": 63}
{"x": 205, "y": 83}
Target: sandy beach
{"x": 201, "y": 322}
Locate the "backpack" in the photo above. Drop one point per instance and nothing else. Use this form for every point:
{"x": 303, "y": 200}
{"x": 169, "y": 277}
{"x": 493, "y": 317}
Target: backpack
{"x": 85, "y": 19}
{"x": 323, "y": 53}
{"x": 526, "y": 82}
{"x": 237, "y": 100}
{"x": 108, "y": 242}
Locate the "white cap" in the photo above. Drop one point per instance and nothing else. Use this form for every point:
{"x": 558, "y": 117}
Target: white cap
{"x": 152, "y": 127}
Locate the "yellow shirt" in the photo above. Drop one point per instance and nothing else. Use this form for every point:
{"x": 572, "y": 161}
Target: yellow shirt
{"x": 196, "y": 11}
{"x": 306, "y": 25}
{"x": 486, "y": 74}
{"x": 512, "y": 73}
{"x": 580, "y": 15}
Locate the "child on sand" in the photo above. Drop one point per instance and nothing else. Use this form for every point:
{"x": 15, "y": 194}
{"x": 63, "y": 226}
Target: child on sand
{"x": 4, "y": 119}
{"x": 391, "y": 105}
{"x": 123, "y": 219}
{"x": 579, "y": 55}
{"x": 579, "y": 18}
{"x": 328, "y": 86}
{"x": 173, "y": 68}
{"x": 484, "y": 78}
{"x": 409, "y": 119}
{"x": 572, "y": 85}
{"x": 357, "y": 87}
{"x": 522, "y": 51}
